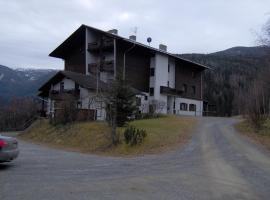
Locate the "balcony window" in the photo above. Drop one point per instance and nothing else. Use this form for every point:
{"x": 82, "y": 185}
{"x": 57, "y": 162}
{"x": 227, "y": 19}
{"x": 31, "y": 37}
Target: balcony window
{"x": 151, "y": 91}
{"x": 152, "y": 71}
{"x": 192, "y": 107}
{"x": 183, "y": 106}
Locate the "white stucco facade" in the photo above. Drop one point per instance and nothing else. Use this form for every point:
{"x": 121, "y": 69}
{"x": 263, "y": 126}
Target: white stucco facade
{"x": 164, "y": 75}
{"x": 87, "y": 99}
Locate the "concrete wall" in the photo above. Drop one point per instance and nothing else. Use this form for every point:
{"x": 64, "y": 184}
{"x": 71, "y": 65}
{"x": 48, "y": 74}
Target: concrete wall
{"x": 171, "y": 73}
{"x": 144, "y": 107}
{"x": 198, "y": 103}
{"x": 90, "y": 101}
{"x": 160, "y": 79}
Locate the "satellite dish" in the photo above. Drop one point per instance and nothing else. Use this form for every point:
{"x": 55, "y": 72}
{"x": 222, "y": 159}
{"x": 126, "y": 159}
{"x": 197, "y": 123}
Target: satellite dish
{"x": 149, "y": 40}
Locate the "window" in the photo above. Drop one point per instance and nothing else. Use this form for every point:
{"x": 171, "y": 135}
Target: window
{"x": 151, "y": 91}
{"x": 61, "y": 86}
{"x": 145, "y": 98}
{"x": 194, "y": 89}
{"x": 168, "y": 67}
{"x": 192, "y": 107}
{"x": 185, "y": 88}
{"x": 168, "y": 83}
{"x": 152, "y": 71}
{"x": 183, "y": 106}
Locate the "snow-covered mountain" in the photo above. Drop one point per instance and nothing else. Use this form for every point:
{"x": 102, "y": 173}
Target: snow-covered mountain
{"x": 21, "y": 82}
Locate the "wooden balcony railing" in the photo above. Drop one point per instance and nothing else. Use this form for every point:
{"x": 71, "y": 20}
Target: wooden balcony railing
{"x": 106, "y": 44}
{"x": 62, "y": 94}
{"x": 170, "y": 91}
{"x": 105, "y": 66}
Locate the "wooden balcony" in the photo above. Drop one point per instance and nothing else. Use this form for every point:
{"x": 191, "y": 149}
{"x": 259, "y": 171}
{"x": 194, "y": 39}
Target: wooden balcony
{"x": 170, "y": 91}
{"x": 105, "y": 66}
{"x": 105, "y": 45}
{"x": 65, "y": 94}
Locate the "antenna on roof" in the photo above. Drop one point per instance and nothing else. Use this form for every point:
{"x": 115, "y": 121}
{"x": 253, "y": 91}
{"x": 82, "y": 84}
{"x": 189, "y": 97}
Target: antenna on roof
{"x": 135, "y": 30}
{"x": 149, "y": 40}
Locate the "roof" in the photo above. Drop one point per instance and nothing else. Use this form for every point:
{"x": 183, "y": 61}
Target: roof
{"x": 85, "y": 81}
{"x": 76, "y": 34}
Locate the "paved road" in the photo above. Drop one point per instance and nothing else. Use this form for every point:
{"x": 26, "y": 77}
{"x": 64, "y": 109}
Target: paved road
{"x": 216, "y": 164}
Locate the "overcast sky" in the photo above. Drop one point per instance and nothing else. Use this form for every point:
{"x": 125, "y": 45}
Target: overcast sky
{"x": 31, "y": 29}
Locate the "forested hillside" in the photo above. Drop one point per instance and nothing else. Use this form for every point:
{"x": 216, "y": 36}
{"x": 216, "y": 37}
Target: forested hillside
{"x": 233, "y": 71}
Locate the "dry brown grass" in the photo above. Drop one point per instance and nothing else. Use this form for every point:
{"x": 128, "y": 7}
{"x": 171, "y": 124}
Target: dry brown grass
{"x": 163, "y": 134}
{"x": 261, "y": 136}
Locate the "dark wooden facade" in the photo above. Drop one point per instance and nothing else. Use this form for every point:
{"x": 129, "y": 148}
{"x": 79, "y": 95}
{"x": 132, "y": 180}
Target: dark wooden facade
{"x": 189, "y": 75}
{"x": 137, "y": 65}
{"x": 75, "y": 60}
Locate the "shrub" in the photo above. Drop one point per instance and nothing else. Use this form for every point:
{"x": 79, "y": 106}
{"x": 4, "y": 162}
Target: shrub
{"x": 134, "y": 136}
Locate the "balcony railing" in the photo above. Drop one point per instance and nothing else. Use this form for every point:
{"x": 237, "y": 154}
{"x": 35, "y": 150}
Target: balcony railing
{"x": 105, "y": 66}
{"x": 170, "y": 91}
{"x": 105, "y": 45}
{"x": 62, "y": 94}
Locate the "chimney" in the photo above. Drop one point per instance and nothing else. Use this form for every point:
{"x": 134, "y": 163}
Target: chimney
{"x": 163, "y": 47}
{"x": 132, "y": 37}
{"x": 113, "y": 31}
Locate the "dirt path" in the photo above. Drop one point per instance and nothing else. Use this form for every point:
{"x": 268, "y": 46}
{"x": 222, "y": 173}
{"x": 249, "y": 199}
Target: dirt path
{"x": 216, "y": 164}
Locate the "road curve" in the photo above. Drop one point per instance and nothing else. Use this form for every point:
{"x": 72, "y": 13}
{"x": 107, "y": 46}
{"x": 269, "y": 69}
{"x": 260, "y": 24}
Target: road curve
{"x": 216, "y": 164}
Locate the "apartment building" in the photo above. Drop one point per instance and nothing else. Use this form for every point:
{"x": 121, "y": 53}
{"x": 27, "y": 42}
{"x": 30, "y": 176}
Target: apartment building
{"x": 170, "y": 84}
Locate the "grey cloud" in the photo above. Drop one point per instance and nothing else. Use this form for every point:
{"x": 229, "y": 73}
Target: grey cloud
{"x": 31, "y": 29}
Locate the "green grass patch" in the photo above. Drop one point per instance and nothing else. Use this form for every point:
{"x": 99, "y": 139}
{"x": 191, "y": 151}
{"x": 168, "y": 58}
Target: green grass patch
{"x": 261, "y": 136}
{"x": 163, "y": 134}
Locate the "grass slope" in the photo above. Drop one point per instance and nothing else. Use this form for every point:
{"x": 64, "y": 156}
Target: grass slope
{"x": 262, "y": 136}
{"x": 163, "y": 134}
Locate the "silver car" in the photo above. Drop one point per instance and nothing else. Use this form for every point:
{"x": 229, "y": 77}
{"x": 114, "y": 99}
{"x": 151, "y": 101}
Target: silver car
{"x": 8, "y": 149}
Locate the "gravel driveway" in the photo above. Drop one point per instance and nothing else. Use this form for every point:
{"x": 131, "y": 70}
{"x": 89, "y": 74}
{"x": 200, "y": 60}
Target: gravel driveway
{"x": 216, "y": 164}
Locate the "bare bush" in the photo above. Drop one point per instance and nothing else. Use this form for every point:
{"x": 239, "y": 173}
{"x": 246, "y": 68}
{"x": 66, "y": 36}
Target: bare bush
{"x": 257, "y": 102}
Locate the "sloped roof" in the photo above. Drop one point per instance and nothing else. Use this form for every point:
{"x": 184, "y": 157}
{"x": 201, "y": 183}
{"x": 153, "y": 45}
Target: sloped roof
{"x": 81, "y": 30}
{"x": 86, "y": 81}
